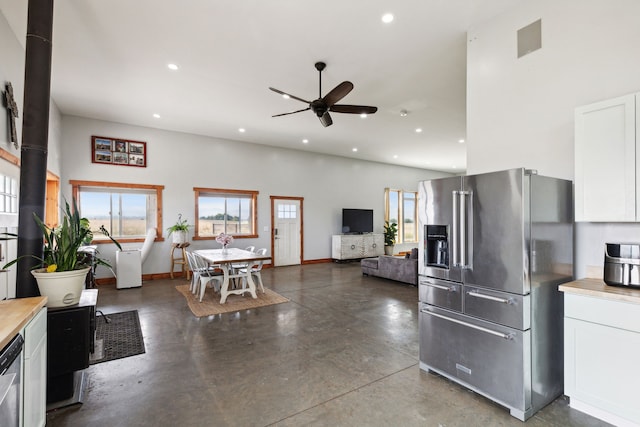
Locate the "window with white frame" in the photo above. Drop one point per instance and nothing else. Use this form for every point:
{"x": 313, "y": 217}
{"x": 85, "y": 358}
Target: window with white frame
{"x": 287, "y": 211}
{"x": 401, "y": 207}
{"x": 8, "y": 195}
{"x": 225, "y": 211}
{"x": 127, "y": 211}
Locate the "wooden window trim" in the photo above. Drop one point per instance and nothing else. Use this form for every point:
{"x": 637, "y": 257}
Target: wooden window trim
{"x": 76, "y": 184}
{"x": 224, "y": 191}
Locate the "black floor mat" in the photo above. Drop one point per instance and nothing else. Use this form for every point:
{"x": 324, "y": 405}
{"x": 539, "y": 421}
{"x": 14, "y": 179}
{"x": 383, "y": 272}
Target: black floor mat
{"x": 119, "y": 338}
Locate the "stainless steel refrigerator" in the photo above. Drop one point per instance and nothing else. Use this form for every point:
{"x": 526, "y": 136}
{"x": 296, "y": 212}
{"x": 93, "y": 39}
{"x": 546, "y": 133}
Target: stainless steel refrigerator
{"x": 494, "y": 248}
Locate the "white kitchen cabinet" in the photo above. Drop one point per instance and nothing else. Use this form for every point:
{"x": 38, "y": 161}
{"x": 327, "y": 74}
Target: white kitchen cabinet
{"x": 601, "y": 340}
{"x": 35, "y": 371}
{"x": 355, "y": 246}
{"x": 607, "y": 150}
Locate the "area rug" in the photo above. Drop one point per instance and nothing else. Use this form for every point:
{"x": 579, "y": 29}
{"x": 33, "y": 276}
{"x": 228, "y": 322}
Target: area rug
{"x": 120, "y": 337}
{"x": 210, "y": 305}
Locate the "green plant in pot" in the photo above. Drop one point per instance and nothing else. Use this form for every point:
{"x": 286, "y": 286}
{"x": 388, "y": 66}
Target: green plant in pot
{"x": 62, "y": 270}
{"x": 179, "y": 230}
{"x": 390, "y": 233}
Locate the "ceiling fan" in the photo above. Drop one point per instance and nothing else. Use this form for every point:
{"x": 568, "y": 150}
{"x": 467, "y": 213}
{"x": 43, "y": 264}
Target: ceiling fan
{"x": 324, "y": 104}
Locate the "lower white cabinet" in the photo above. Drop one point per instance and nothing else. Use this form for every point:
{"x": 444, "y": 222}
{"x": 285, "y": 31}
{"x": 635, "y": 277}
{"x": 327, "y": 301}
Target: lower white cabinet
{"x": 35, "y": 371}
{"x": 354, "y": 246}
{"x": 601, "y": 347}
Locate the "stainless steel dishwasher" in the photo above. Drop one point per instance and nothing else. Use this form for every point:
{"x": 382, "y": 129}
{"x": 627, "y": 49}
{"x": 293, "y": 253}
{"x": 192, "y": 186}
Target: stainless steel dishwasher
{"x": 10, "y": 391}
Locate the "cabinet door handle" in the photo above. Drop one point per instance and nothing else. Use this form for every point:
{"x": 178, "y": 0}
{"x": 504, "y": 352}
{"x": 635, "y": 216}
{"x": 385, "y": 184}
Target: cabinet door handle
{"x": 470, "y": 325}
{"x": 444, "y": 288}
{"x": 489, "y": 297}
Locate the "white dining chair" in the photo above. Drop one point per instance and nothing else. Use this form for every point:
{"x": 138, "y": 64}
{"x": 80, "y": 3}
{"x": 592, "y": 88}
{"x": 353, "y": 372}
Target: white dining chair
{"x": 235, "y": 268}
{"x": 209, "y": 275}
{"x": 254, "y": 269}
{"x": 195, "y": 273}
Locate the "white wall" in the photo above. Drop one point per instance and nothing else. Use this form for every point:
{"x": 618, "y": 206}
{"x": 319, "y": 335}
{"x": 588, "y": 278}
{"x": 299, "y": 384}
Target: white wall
{"x": 182, "y": 161}
{"x": 520, "y": 111}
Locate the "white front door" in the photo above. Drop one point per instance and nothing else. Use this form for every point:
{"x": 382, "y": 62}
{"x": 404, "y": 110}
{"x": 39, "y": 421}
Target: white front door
{"x": 287, "y": 220}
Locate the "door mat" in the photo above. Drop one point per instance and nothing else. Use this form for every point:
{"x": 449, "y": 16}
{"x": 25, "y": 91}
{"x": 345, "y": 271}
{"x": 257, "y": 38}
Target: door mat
{"x": 210, "y": 304}
{"x": 121, "y": 337}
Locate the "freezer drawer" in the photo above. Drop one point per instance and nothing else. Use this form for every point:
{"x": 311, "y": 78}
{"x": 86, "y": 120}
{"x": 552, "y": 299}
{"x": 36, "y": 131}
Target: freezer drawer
{"x": 499, "y": 307}
{"x": 491, "y": 359}
{"x": 442, "y": 293}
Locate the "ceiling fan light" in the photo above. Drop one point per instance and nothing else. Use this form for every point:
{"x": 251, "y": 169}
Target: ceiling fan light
{"x": 363, "y": 115}
{"x": 285, "y": 96}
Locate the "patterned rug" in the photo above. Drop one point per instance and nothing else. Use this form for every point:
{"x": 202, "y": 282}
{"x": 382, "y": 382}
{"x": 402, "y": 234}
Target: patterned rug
{"x": 210, "y": 304}
{"x": 119, "y": 338}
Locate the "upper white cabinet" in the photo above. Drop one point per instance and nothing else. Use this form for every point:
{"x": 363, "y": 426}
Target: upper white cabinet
{"x": 606, "y": 159}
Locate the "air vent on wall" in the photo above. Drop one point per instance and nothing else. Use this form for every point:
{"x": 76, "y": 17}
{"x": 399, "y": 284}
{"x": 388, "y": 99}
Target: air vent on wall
{"x": 530, "y": 38}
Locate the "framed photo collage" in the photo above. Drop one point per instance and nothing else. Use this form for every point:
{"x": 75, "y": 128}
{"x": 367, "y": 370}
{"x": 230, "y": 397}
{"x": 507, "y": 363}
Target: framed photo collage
{"x": 115, "y": 151}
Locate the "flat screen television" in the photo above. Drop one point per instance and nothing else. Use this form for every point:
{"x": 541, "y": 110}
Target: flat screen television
{"x": 357, "y": 221}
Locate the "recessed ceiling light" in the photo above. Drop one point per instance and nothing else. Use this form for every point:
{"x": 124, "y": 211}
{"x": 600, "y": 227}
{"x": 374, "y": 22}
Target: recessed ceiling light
{"x": 387, "y": 17}
{"x": 354, "y": 149}
{"x": 285, "y": 96}
{"x": 363, "y": 116}
{"x": 305, "y": 141}
{"x": 418, "y": 130}
{"x": 461, "y": 141}
{"x": 156, "y": 115}
{"x": 403, "y": 113}
{"x": 241, "y": 130}
{"x": 395, "y": 156}
{"x": 173, "y": 67}
{"x": 454, "y": 166}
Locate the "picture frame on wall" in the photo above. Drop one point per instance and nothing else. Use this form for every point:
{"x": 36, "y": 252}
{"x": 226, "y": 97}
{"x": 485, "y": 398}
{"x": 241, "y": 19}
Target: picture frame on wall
{"x": 118, "y": 151}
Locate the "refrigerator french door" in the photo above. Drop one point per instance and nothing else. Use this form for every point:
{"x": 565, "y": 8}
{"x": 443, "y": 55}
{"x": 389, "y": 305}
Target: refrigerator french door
{"x": 493, "y": 249}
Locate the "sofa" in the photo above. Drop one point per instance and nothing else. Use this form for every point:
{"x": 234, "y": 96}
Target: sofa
{"x": 402, "y": 269}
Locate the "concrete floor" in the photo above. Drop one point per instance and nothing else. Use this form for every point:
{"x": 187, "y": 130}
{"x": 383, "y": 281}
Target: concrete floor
{"x": 342, "y": 352}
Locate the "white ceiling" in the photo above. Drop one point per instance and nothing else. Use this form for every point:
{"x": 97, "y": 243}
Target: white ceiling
{"x": 110, "y": 62}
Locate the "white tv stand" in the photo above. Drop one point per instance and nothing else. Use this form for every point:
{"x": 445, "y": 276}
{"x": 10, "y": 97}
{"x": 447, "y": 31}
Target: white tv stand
{"x": 356, "y": 246}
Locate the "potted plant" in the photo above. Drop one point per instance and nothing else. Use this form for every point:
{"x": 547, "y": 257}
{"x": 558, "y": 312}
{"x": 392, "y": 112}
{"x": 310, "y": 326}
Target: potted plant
{"x": 62, "y": 271}
{"x": 390, "y": 232}
{"x": 179, "y": 230}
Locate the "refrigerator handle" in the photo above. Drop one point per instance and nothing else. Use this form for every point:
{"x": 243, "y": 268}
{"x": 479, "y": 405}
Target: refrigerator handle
{"x": 455, "y": 232}
{"x": 463, "y": 229}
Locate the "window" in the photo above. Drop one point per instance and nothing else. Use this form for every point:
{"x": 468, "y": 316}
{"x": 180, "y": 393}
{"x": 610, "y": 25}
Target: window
{"x": 225, "y": 211}
{"x": 401, "y": 207}
{"x": 127, "y": 211}
{"x": 8, "y": 195}
{"x": 287, "y": 211}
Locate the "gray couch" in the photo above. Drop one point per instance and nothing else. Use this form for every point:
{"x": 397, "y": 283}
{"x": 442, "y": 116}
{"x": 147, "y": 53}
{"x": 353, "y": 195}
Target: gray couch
{"x": 402, "y": 269}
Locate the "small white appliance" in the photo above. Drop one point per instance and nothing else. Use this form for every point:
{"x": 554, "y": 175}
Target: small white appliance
{"x": 129, "y": 269}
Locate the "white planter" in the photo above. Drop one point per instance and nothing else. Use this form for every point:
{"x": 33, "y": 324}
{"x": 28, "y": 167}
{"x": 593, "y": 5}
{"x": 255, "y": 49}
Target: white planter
{"x": 62, "y": 288}
{"x": 388, "y": 250}
{"x": 179, "y": 237}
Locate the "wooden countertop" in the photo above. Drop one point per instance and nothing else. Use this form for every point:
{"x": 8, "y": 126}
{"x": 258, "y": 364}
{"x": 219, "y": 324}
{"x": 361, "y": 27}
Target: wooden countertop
{"x": 597, "y": 288}
{"x": 15, "y": 314}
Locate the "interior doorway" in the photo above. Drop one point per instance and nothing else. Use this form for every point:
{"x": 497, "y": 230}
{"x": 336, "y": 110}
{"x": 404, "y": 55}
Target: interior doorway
{"x": 286, "y": 230}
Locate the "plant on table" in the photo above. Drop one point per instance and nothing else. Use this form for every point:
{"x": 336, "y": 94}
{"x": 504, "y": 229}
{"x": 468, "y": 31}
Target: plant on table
{"x": 62, "y": 268}
{"x": 224, "y": 239}
{"x": 390, "y": 232}
{"x": 180, "y": 228}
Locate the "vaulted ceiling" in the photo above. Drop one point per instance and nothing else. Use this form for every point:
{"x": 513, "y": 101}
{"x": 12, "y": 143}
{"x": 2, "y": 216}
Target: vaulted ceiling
{"x": 110, "y": 62}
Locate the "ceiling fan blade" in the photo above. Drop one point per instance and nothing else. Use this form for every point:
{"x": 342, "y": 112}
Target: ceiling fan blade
{"x": 353, "y": 109}
{"x": 325, "y": 119}
{"x": 337, "y": 93}
{"x": 292, "y": 112}
{"x": 289, "y": 95}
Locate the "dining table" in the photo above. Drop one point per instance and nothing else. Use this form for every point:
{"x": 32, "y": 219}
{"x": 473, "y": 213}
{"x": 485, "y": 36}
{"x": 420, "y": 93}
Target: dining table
{"x": 224, "y": 259}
